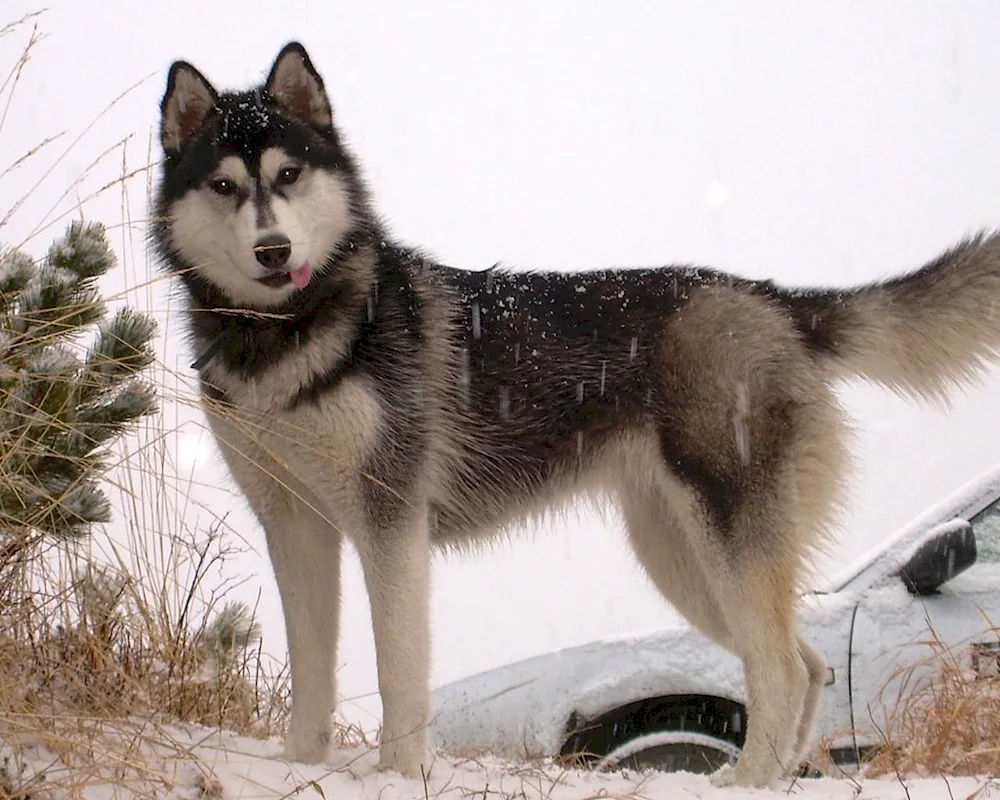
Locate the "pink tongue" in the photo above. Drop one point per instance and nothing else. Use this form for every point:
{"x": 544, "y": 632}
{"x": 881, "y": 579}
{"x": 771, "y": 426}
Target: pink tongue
{"x": 300, "y": 277}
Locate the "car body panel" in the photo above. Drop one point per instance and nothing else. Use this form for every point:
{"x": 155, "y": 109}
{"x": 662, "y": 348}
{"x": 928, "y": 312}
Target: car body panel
{"x": 865, "y": 623}
{"x": 895, "y": 633}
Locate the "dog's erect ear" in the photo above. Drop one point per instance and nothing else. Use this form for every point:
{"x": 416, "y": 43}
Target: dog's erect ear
{"x": 188, "y": 100}
{"x": 298, "y": 88}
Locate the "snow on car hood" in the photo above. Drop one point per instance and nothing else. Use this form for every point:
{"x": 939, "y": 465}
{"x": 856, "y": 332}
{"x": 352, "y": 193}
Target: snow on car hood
{"x": 520, "y": 710}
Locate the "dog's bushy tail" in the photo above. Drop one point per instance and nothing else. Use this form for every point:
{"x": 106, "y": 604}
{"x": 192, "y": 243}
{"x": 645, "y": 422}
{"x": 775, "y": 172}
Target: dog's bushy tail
{"x": 919, "y": 334}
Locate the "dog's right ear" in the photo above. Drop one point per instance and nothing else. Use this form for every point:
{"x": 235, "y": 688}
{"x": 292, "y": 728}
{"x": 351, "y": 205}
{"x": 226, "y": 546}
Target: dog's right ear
{"x": 188, "y": 100}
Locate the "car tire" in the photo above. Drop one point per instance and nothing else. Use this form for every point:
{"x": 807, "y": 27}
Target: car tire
{"x": 691, "y": 733}
{"x": 671, "y": 751}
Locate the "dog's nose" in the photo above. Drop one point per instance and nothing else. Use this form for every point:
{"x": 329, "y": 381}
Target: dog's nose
{"x": 273, "y": 251}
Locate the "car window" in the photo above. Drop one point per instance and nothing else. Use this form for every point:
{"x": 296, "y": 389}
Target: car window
{"x": 986, "y": 525}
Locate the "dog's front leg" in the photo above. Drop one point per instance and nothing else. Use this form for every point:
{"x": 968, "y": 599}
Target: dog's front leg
{"x": 304, "y": 546}
{"x": 305, "y": 552}
{"x": 396, "y": 565}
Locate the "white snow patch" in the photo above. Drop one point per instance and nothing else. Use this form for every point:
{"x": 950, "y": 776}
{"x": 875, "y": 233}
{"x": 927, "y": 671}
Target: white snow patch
{"x": 248, "y": 769}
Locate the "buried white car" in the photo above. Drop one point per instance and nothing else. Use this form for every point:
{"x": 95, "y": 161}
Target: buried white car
{"x": 673, "y": 700}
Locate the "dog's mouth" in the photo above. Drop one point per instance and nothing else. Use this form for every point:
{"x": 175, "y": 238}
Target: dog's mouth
{"x": 299, "y": 278}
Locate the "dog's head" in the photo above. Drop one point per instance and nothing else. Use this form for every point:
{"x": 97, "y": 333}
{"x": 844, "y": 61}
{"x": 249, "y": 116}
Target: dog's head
{"x": 257, "y": 191}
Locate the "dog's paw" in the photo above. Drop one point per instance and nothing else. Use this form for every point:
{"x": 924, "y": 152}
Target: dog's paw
{"x": 723, "y": 777}
{"x": 307, "y": 748}
{"x": 304, "y": 755}
{"x": 730, "y": 775}
{"x": 406, "y": 772}
{"x": 407, "y": 761}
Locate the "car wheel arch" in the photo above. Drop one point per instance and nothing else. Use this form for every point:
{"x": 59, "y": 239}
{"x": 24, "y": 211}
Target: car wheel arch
{"x": 587, "y": 739}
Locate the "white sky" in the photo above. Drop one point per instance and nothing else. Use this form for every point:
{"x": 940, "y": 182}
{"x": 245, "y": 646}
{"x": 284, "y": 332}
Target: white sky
{"x": 813, "y": 143}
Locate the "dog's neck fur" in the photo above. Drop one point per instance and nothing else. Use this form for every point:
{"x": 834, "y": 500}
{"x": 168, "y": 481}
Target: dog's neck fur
{"x": 247, "y": 341}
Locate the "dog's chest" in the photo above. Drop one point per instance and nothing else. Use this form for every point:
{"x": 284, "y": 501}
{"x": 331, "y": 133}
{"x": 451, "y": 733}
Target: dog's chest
{"x": 324, "y": 443}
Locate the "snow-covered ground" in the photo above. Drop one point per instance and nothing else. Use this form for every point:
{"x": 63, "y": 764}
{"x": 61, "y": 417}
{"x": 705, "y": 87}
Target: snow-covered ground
{"x": 245, "y": 771}
{"x": 201, "y": 764}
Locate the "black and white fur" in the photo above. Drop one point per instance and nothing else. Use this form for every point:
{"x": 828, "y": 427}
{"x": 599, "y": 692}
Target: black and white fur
{"x": 357, "y": 388}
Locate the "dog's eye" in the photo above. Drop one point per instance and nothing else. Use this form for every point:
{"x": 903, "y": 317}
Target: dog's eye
{"x": 288, "y": 175}
{"x": 223, "y": 186}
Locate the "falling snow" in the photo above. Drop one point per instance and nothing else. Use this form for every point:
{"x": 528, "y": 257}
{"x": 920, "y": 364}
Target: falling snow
{"x": 740, "y": 417}
{"x": 504, "y": 403}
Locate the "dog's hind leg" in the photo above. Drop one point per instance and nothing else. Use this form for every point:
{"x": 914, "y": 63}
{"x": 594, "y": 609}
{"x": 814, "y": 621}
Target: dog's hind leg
{"x": 757, "y": 592}
{"x": 742, "y": 597}
{"x": 816, "y": 667}
{"x": 396, "y": 566}
{"x": 671, "y": 561}
{"x": 752, "y": 443}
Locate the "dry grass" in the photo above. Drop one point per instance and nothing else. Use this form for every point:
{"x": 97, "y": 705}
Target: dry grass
{"x": 107, "y": 640}
{"x": 945, "y": 718}
{"x": 942, "y": 715}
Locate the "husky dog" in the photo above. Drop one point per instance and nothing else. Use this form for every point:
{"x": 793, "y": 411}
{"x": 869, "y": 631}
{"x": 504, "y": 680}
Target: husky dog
{"x": 359, "y": 388}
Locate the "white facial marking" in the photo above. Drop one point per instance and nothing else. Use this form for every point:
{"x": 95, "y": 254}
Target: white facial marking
{"x": 216, "y": 233}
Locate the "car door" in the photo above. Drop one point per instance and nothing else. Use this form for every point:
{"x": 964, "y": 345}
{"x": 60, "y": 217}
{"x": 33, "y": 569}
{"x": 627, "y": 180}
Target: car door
{"x": 898, "y": 637}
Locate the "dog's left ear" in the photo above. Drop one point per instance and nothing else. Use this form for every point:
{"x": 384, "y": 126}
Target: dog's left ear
{"x": 298, "y": 88}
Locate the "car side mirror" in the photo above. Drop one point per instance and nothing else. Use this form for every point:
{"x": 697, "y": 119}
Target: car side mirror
{"x": 947, "y": 550}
